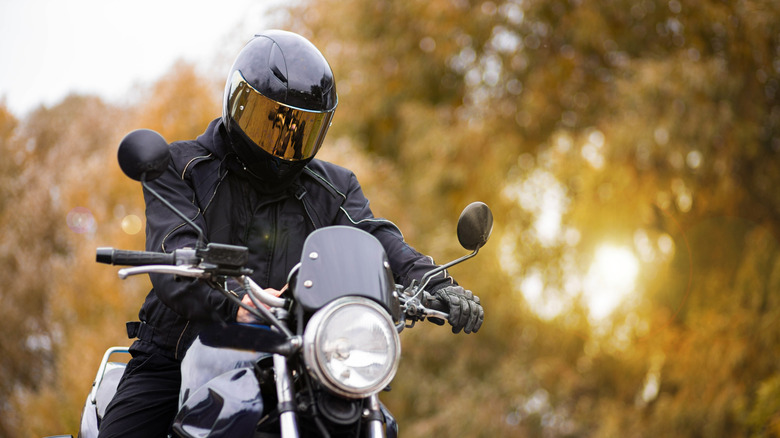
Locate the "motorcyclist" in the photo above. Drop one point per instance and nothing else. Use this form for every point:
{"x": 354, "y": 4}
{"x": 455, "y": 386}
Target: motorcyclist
{"x": 251, "y": 179}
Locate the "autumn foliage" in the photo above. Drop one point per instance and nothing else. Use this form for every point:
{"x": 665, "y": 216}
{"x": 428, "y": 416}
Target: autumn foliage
{"x": 624, "y": 146}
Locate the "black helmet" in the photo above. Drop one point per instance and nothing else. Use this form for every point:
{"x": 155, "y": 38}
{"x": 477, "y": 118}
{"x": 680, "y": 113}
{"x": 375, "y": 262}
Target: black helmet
{"x": 279, "y": 100}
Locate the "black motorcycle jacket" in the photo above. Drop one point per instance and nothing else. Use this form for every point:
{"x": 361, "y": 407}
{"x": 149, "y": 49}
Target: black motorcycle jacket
{"x": 206, "y": 181}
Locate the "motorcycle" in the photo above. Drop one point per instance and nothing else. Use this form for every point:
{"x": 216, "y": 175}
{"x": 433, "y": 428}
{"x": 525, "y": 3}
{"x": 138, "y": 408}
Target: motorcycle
{"x": 321, "y": 352}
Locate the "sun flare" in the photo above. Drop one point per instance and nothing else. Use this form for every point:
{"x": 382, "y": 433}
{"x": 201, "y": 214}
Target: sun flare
{"x": 610, "y": 279}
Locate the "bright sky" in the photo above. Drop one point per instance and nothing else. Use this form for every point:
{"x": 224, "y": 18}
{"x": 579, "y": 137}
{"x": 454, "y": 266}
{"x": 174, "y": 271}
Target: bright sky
{"x": 49, "y": 48}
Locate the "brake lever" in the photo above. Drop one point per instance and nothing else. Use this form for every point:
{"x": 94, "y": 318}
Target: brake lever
{"x": 415, "y": 309}
{"x": 182, "y": 270}
{"x": 430, "y": 313}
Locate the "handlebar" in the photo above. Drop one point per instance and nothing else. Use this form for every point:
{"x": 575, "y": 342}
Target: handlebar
{"x": 262, "y": 295}
{"x": 430, "y": 313}
{"x": 434, "y": 304}
{"x": 194, "y": 272}
{"x": 111, "y": 256}
{"x": 415, "y": 310}
{"x": 185, "y": 263}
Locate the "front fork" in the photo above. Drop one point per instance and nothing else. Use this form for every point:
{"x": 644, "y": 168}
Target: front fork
{"x": 286, "y": 397}
{"x": 284, "y": 392}
{"x": 376, "y": 425}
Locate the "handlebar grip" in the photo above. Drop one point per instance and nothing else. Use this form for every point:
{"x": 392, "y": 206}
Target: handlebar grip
{"x": 436, "y": 307}
{"x": 111, "y": 256}
{"x": 433, "y": 302}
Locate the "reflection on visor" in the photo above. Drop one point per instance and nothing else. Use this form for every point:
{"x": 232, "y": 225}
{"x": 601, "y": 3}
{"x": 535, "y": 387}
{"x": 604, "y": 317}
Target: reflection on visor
{"x": 285, "y": 132}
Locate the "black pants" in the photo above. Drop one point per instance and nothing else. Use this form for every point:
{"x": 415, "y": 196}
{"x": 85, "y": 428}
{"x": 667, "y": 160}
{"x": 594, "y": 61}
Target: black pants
{"x": 146, "y": 400}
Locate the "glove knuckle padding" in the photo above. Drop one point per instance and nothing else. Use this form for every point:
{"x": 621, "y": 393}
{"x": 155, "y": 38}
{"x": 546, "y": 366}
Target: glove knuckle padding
{"x": 473, "y": 312}
{"x": 465, "y": 311}
{"x": 480, "y": 319}
{"x": 454, "y": 309}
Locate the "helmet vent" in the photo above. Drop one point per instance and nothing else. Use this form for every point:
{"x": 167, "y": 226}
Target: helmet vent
{"x": 276, "y": 63}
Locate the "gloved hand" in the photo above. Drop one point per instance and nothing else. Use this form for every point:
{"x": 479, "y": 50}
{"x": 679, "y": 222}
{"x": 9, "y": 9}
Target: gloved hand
{"x": 465, "y": 312}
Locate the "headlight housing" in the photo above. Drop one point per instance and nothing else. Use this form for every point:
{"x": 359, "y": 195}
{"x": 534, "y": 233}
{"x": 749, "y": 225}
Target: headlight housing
{"x": 352, "y": 347}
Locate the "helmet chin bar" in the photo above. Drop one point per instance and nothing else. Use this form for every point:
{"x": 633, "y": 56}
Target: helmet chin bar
{"x": 271, "y": 174}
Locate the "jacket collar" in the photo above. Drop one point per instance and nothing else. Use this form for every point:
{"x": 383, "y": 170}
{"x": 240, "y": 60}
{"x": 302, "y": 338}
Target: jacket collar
{"x": 214, "y": 139}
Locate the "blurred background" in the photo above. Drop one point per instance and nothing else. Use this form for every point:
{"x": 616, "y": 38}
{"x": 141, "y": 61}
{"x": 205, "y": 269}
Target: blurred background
{"x": 629, "y": 151}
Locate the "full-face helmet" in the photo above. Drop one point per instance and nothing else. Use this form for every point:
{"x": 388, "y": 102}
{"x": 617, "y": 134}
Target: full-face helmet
{"x": 279, "y": 100}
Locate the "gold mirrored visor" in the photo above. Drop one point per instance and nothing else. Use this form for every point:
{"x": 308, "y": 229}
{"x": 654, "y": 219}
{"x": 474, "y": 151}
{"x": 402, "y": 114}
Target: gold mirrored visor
{"x": 289, "y": 133}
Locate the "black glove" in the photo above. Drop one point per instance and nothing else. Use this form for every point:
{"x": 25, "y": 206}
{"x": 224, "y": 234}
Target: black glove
{"x": 465, "y": 313}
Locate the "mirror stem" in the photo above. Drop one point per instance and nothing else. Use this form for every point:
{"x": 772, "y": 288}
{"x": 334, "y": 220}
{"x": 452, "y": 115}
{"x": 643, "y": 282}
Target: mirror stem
{"x": 201, "y": 237}
{"x": 430, "y": 274}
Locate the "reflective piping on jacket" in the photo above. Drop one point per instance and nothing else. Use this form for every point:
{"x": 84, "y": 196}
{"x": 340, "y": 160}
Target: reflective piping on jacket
{"x": 208, "y": 204}
{"x": 322, "y": 178}
{"x": 181, "y": 335}
{"x": 200, "y": 157}
{"x": 372, "y": 219}
{"x": 216, "y": 188}
{"x": 162, "y": 244}
{"x": 191, "y": 161}
{"x": 444, "y": 273}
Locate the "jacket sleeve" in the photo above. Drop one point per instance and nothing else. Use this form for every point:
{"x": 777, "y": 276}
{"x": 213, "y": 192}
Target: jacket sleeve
{"x": 406, "y": 263}
{"x": 166, "y": 232}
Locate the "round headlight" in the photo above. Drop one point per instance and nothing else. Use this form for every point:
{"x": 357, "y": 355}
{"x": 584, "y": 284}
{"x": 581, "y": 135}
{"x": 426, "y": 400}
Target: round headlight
{"x": 352, "y": 347}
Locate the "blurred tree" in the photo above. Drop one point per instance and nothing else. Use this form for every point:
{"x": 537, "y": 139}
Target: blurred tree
{"x": 54, "y": 216}
{"x": 49, "y": 212}
{"x": 181, "y": 104}
{"x": 650, "y": 125}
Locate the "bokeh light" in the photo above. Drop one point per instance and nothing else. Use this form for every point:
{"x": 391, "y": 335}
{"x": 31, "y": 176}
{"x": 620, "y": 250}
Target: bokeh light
{"x": 131, "y": 224}
{"x": 80, "y": 220}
